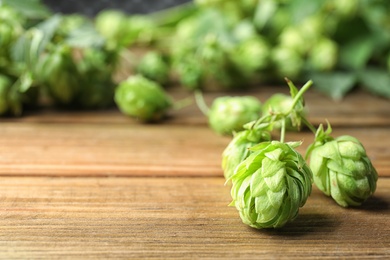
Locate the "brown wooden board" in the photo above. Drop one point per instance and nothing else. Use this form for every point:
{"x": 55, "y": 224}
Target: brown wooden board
{"x": 357, "y": 109}
{"x": 139, "y": 150}
{"x": 97, "y": 184}
{"x": 133, "y": 218}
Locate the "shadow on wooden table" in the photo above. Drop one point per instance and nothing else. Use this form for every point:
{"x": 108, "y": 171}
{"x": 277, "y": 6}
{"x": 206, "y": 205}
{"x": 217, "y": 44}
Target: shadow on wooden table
{"x": 375, "y": 204}
{"x": 303, "y": 225}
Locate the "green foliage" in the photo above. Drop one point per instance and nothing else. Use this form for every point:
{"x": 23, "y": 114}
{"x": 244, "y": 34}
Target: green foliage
{"x": 203, "y": 45}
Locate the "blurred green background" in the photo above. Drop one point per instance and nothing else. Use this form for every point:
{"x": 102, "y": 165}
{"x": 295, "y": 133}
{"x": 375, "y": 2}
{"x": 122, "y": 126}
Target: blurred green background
{"x": 73, "y": 54}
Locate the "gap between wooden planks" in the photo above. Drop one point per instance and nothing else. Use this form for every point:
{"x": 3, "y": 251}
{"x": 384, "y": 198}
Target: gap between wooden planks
{"x": 43, "y": 217}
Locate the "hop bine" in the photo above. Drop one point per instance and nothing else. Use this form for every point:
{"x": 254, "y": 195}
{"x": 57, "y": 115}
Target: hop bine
{"x": 341, "y": 168}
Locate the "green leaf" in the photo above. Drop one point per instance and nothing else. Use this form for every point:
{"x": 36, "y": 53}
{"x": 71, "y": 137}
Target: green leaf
{"x": 33, "y": 9}
{"x": 264, "y": 12}
{"x": 334, "y": 84}
{"x": 26, "y": 81}
{"x": 49, "y": 27}
{"x": 31, "y": 44}
{"x": 85, "y": 36}
{"x": 355, "y": 54}
{"x": 300, "y": 9}
{"x": 377, "y": 81}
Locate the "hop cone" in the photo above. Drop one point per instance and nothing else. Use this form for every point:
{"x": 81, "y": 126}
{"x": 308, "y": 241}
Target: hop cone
{"x": 280, "y": 103}
{"x": 58, "y": 72}
{"x": 96, "y": 74}
{"x": 251, "y": 55}
{"x": 113, "y": 25}
{"x": 238, "y": 149}
{"x": 229, "y": 114}
{"x": 342, "y": 170}
{"x": 142, "y": 98}
{"x": 270, "y": 185}
{"x": 154, "y": 66}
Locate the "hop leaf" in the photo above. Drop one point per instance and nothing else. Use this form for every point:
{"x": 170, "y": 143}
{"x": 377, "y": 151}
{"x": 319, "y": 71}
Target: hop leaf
{"x": 229, "y": 114}
{"x": 270, "y": 185}
{"x": 342, "y": 169}
{"x": 142, "y": 98}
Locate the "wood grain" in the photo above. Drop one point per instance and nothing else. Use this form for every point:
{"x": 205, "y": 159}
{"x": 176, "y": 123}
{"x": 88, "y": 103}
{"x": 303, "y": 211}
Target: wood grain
{"x": 357, "y": 109}
{"x": 175, "y": 218}
{"x": 97, "y": 184}
{"x": 139, "y": 150}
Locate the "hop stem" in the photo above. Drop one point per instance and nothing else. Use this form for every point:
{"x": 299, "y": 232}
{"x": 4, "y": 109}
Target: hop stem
{"x": 283, "y": 130}
{"x": 201, "y": 103}
{"x": 300, "y": 92}
{"x": 309, "y": 125}
{"x": 182, "y": 103}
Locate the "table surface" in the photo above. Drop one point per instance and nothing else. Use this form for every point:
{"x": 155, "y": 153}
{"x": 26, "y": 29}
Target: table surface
{"x": 97, "y": 184}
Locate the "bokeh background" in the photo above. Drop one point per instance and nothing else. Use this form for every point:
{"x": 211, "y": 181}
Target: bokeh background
{"x": 91, "y": 8}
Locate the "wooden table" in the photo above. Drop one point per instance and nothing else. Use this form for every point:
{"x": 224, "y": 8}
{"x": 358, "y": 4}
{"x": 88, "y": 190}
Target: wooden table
{"x": 101, "y": 185}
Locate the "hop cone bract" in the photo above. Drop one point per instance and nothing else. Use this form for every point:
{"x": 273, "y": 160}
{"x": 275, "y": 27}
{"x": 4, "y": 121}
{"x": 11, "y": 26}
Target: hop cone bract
{"x": 342, "y": 170}
{"x": 270, "y": 186}
{"x": 238, "y": 149}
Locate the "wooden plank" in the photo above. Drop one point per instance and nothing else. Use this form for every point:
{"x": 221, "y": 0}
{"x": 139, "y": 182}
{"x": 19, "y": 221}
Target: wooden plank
{"x": 357, "y": 109}
{"x": 83, "y": 149}
{"x": 61, "y": 149}
{"x": 166, "y": 218}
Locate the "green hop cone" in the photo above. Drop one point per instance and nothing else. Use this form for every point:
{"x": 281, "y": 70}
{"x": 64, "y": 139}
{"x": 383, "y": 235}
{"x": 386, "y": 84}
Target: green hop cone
{"x": 280, "y": 103}
{"x": 323, "y": 56}
{"x": 142, "y": 98}
{"x": 270, "y": 185}
{"x": 112, "y": 24}
{"x": 251, "y": 55}
{"x": 96, "y": 70}
{"x": 287, "y": 62}
{"x": 188, "y": 70}
{"x": 238, "y": 149}
{"x": 229, "y": 114}
{"x": 154, "y": 66}
{"x": 341, "y": 168}
{"x": 58, "y": 73}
